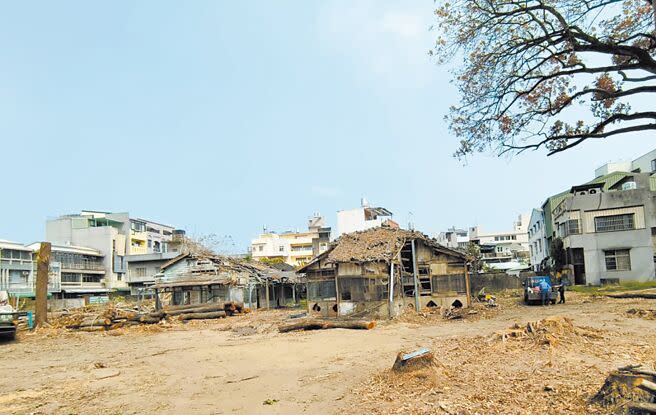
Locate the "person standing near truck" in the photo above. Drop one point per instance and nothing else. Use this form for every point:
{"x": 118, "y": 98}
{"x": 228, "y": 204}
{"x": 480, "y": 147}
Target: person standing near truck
{"x": 545, "y": 287}
{"x": 561, "y": 290}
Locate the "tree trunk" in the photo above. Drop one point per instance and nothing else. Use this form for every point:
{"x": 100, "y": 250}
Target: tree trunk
{"x": 197, "y": 309}
{"x": 633, "y": 295}
{"x": 170, "y": 308}
{"x": 647, "y": 386}
{"x": 202, "y": 316}
{"x": 323, "y": 325}
{"x": 642, "y": 407}
{"x": 42, "y": 271}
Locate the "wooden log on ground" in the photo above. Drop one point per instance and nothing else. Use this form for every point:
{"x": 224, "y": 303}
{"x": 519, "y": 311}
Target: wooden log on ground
{"x": 642, "y": 408}
{"x": 633, "y": 295}
{"x": 146, "y": 319}
{"x": 323, "y": 325}
{"x": 92, "y": 328}
{"x": 204, "y": 309}
{"x": 203, "y": 316}
{"x": 647, "y": 386}
{"x": 234, "y": 306}
{"x": 169, "y": 308}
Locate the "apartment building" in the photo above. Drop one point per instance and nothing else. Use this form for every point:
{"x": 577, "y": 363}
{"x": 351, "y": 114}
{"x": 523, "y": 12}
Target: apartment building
{"x": 453, "y": 238}
{"x": 505, "y": 250}
{"x": 537, "y": 240}
{"x": 293, "y": 248}
{"x": 142, "y": 269}
{"x": 81, "y": 270}
{"x": 362, "y": 218}
{"x": 643, "y": 164}
{"x": 116, "y": 236}
{"x": 608, "y": 229}
{"x": 18, "y": 271}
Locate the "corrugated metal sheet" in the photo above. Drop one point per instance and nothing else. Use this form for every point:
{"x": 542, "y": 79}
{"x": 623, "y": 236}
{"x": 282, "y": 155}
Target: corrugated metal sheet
{"x": 638, "y": 220}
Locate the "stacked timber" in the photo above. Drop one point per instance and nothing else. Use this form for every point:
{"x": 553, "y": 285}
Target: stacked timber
{"x": 114, "y": 318}
{"x": 632, "y": 388}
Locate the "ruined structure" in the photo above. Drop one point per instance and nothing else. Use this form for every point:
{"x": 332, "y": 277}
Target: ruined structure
{"x": 383, "y": 271}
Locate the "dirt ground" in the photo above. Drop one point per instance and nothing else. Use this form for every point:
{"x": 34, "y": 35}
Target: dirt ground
{"x": 242, "y": 365}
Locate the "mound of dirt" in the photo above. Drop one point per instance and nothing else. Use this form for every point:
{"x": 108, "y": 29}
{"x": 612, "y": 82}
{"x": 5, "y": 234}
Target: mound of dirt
{"x": 551, "y": 331}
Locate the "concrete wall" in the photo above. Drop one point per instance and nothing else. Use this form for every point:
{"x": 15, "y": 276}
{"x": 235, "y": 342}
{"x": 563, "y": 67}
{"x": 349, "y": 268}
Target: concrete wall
{"x": 644, "y": 162}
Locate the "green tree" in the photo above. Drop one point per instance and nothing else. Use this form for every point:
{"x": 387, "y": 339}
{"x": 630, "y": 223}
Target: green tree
{"x": 547, "y": 73}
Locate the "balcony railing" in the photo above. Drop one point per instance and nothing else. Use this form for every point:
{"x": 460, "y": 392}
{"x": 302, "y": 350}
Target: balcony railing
{"x": 92, "y": 266}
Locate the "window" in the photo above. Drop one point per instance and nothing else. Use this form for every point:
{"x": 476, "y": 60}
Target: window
{"x": 150, "y": 243}
{"x": 140, "y": 272}
{"x": 261, "y": 248}
{"x": 281, "y": 248}
{"x": 514, "y": 237}
{"x": 653, "y": 165}
{"x": 573, "y": 227}
{"x": 92, "y": 278}
{"x": 618, "y": 260}
{"x": 157, "y": 246}
{"x": 614, "y": 223}
{"x": 496, "y": 238}
{"x": 539, "y": 245}
{"x": 138, "y": 226}
{"x": 499, "y": 249}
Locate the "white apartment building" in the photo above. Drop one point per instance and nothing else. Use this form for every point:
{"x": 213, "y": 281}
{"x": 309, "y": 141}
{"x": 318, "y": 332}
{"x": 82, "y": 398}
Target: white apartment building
{"x": 537, "y": 239}
{"x": 643, "y": 164}
{"x": 504, "y": 250}
{"x": 362, "y": 218}
{"x": 293, "y": 248}
{"x": 453, "y": 238}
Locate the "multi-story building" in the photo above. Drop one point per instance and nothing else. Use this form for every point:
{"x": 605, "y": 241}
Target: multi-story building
{"x": 293, "y": 248}
{"x": 18, "y": 270}
{"x": 608, "y": 230}
{"x": 142, "y": 269}
{"x": 507, "y": 250}
{"x": 362, "y": 218}
{"x": 453, "y": 238}
{"x": 115, "y": 235}
{"x": 643, "y": 164}
{"x": 81, "y": 270}
{"x": 537, "y": 240}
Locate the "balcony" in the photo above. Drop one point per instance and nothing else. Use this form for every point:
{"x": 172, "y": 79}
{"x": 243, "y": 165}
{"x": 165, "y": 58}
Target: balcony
{"x": 95, "y": 267}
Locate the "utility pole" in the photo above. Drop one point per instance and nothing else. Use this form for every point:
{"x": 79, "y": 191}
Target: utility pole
{"x": 42, "y": 271}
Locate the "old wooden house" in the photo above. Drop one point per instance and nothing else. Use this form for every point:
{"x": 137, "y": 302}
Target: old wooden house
{"x": 384, "y": 271}
{"x": 198, "y": 279}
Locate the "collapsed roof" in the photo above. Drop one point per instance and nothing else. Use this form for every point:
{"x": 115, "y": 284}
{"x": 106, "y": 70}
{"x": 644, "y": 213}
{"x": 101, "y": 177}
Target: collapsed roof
{"x": 376, "y": 244}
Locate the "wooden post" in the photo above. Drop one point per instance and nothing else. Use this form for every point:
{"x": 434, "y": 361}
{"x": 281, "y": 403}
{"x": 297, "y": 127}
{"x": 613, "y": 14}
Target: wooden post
{"x": 42, "y": 271}
{"x": 391, "y": 289}
{"x": 294, "y": 292}
{"x": 414, "y": 275}
{"x": 467, "y": 284}
{"x": 268, "y": 306}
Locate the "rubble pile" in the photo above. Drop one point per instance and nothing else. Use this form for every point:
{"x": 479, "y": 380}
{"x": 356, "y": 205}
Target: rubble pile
{"x": 551, "y": 331}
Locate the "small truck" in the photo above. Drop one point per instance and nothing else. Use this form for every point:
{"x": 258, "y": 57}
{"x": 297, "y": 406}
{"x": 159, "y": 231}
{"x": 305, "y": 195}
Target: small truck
{"x": 532, "y": 290}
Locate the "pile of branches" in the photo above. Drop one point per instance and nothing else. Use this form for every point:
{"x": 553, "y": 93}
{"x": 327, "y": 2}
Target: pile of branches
{"x": 112, "y": 318}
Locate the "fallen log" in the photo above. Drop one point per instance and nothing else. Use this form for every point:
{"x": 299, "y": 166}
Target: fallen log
{"x": 202, "y": 316}
{"x": 204, "y": 309}
{"x": 646, "y": 386}
{"x": 323, "y": 325}
{"x": 633, "y": 295}
{"x": 169, "y": 308}
{"x": 92, "y": 328}
{"x": 642, "y": 408}
{"x": 149, "y": 320}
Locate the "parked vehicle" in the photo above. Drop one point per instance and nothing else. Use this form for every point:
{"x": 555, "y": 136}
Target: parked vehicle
{"x": 532, "y": 290}
{"x": 8, "y": 318}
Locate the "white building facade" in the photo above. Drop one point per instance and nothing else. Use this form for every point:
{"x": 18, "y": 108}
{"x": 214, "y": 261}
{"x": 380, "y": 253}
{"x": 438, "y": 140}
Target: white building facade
{"x": 537, "y": 239}
{"x": 362, "y": 218}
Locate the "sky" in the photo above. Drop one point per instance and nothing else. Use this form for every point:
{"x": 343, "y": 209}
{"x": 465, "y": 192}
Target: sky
{"x": 224, "y": 117}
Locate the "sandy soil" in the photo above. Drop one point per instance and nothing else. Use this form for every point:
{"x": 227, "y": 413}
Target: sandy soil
{"x": 242, "y": 365}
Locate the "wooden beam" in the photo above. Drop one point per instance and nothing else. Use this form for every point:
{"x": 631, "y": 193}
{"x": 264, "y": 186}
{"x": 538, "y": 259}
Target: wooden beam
{"x": 414, "y": 274}
{"x": 42, "y": 271}
{"x": 467, "y": 286}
